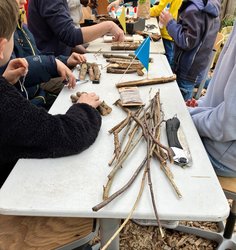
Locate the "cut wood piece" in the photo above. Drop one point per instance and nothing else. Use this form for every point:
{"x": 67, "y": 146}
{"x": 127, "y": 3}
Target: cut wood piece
{"x": 109, "y": 39}
{"x": 117, "y": 56}
{"x": 140, "y": 72}
{"x": 124, "y": 46}
{"x": 154, "y": 37}
{"x": 83, "y": 71}
{"x": 126, "y": 65}
{"x": 120, "y": 71}
{"x": 104, "y": 109}
{"x": 147, "y": 81}
{"x": 96, "y": 70}
{"x": 91, "y": 72}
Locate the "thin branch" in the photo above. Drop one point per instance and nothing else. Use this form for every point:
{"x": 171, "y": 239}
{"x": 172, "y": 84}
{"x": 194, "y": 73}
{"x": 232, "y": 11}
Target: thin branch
{"x": 131, "y": 212}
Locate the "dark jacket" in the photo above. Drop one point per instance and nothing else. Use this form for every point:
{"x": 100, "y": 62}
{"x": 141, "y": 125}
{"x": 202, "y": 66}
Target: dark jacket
{"x": 52, "y": 26}
{"x": 27, "y": 131}
{"x": 194, "y": 34}
{"x": 41, "y": 67}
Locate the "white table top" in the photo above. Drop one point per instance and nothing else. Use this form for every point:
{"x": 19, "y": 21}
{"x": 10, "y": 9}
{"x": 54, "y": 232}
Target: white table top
{"x": 155, "y": 47}
{"x": 71, "y": 186}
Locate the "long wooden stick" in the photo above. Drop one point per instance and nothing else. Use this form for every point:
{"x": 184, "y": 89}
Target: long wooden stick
{"x": 120, "y": 191}
{"x": 131, "y": 212}
{"x": 145, "y": 82}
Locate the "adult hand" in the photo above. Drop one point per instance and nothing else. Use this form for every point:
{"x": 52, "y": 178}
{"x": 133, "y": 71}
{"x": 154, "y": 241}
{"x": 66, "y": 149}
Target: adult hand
{"x": 117, "y": 32}
{"x": 75, "y": 59}
{"x": 114, "y": 4}
{"x": 66, "y": 74}
{"x": 16, "y": 68}
{"x": 165, "y": 17}
{"x": 89, "y": 98}
{"x": 191, "y": 103}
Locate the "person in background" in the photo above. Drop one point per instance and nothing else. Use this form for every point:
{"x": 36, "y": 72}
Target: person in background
{"x": 76, "y": 13}
{"x": 115, "y": 4}
{"x": 75, "y": 8}
{"x": 167, "y": 39}
{"x": 54, "y": 31}
{"x": 93, "y": 5}
{"x": 194, "y": 34}
{"x": 27, "y": 131}
{"x": 214, "y": 114}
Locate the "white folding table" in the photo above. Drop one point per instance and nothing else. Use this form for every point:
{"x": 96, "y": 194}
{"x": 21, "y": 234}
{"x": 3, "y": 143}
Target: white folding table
{"x": 71, "y": 186}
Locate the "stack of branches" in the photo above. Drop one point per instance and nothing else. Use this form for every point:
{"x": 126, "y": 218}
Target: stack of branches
{"x": 92, "y": 69}
{"x": 120, "y": 64}
{"x": 144, "y": 124}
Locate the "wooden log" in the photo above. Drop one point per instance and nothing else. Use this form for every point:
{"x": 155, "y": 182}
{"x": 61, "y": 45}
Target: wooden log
{"x": 91, "y": 72}
{"x": 117, "y": 56}
{"x": 96, "y": 70}
{"x": 147, "y": 81}
{"x": 124, "y": 46}
{"x": 120, "y": 71}
{"x": 83, "y": 71}
{"x": 125, "y": 65}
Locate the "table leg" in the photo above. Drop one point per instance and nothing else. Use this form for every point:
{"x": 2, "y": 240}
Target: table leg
{"x": 107, "y": 228}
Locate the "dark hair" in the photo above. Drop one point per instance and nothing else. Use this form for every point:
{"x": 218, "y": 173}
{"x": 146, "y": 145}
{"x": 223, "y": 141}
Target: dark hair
{"x": 8, "y": 18}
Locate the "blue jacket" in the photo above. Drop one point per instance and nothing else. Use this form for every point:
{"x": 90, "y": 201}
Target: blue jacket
{"x": 52, "y": 26}
{"x": 194, "y": 34}
{"x": 41, "y": 67}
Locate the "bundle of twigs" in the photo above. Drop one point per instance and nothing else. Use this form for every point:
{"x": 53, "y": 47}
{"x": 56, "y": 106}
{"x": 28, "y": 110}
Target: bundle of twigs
{"x": 138, "y": 125}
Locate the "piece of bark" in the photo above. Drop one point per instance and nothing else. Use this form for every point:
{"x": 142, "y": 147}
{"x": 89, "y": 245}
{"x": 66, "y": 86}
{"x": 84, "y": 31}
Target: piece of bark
{"x": 153, "y": 37}
{"x": 104, "y": 109}
{"x": 145, "y": 82}
{"x": 83, "y": 71}
{"x": 120, "y": 71}
{"x": 124, "y": 46}
{"x": 117, "y": 56}
{"x": 140, "y": 72}
{"x": 96, "y": 70}
{"x": 91, "y": 72}
{"x": 134, "y": 64}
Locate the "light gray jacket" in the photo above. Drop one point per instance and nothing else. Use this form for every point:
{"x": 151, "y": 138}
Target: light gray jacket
{"x": 215, "y": 116}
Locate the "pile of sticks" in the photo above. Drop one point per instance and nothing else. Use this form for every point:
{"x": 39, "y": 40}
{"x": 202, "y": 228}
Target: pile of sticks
{"x": 140, "y": 125}
{"x": 120, "y": 64}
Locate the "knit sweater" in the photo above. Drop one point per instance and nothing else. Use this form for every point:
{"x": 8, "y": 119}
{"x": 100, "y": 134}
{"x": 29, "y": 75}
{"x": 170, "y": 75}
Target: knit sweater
{"x": 215, "y": 116}
{"x": 27, "y": 131}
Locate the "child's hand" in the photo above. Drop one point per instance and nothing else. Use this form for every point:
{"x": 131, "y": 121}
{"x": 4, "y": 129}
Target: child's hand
{"x": 191, "y": 103}
{"x": 117, "y": 33}
{"x": 66, "y": 74}
{"x": 75, "y": 59}
{"x": 165, "y": 17}
{"x": 15, "y": 70}
{"x": 90, "y": 98}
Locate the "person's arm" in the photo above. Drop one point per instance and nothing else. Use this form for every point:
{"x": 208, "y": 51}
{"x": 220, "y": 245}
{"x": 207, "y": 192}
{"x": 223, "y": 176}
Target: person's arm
{"x": 187, "y": 32}
{"x": 157, "y": 9}
{"x": 218, "y": 123}
{"x": 57, "y": 16}
{"x": 92, "y": 32}
{"x": 31, "y": 132}
{"x": 41, "y": 69}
